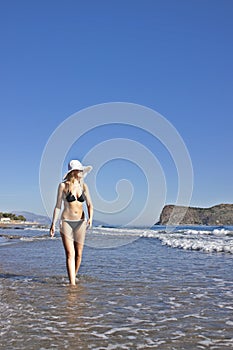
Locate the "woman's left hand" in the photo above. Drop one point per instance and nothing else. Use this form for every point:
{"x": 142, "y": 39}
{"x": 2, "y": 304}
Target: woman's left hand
{"x": 52, "y": 231}
{"x": 89, "y": 223}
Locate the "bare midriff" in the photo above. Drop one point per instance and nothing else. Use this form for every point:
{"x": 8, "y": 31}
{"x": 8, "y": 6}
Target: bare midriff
{"x": 72, "y": 211}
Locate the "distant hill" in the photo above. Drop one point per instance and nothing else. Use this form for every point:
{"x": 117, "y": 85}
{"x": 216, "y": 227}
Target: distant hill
{"x": 221, "y": 214}
{"x": 41, "y": 219}
{"x": 45, "y": 220}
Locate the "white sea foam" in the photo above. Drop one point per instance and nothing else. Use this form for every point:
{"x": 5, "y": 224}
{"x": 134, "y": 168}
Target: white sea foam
{"x": 208, "y": 246}
{"x": 205, "y": 239}
{"x": 221, "y": 231}
{"x": 208, "y": 240}
{"x": 200, "y": 232}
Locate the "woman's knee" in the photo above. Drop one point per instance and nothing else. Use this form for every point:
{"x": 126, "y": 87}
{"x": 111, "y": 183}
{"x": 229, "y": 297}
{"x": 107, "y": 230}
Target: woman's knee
{"x": 78, "y": 258}
{"x": 79, "y": 250}
{"x": 70, "y": 254}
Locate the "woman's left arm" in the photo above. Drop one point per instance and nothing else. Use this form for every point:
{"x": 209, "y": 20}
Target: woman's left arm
{"x": 89, "y": 205}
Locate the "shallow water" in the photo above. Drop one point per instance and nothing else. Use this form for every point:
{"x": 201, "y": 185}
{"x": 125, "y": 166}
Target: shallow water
{"x": 143, "y": 295}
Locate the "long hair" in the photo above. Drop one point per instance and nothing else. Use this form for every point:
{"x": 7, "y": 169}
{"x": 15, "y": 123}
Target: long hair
{"x": 70, "y": 179}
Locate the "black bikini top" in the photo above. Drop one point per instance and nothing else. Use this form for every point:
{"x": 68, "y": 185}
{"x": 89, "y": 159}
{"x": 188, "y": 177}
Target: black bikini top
{"x": 71, "y": 198}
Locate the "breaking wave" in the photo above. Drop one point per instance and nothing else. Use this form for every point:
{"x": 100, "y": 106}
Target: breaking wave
{"x": 196, "y": 238}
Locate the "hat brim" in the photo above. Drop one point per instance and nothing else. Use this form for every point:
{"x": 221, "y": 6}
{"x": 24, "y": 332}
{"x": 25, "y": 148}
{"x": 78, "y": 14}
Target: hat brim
{"x": 85, "y": 170}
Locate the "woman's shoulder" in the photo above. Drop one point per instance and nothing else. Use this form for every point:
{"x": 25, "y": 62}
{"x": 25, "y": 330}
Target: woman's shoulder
{"x": 85, "y": 187}
{"x": 62, "y": 185}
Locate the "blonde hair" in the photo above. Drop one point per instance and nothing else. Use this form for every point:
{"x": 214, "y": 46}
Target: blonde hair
{"x": 70, "y": 179}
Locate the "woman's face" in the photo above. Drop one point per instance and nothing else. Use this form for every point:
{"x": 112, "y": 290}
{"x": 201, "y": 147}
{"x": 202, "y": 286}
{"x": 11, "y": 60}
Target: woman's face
{"x": 77, "y": 174}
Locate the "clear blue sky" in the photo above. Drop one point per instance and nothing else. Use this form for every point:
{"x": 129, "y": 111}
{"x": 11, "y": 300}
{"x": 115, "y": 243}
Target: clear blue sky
{"x": 58, "y": 57}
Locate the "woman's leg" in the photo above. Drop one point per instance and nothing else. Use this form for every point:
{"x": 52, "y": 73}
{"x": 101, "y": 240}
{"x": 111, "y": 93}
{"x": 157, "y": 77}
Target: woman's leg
{"x": 68, "y": 244}
{"x": 78, "y": 256}
{"x": 79, "y": 236}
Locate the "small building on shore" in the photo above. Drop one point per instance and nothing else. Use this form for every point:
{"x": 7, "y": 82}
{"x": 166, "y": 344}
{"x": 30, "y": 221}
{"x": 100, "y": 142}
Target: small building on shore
{"x": 5, "y": 220}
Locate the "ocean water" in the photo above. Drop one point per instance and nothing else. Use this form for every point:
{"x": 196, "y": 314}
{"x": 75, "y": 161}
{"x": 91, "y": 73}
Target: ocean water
{"x": 137, "y": 289}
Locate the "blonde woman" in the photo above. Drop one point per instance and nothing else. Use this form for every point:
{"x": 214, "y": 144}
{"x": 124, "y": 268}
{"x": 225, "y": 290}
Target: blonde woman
{"x": 73, "y": 192}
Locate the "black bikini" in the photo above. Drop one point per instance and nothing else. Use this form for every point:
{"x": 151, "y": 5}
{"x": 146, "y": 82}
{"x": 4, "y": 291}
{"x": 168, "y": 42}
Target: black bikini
{"x": 76, "y": 225}
{"x": 71, "y": 198}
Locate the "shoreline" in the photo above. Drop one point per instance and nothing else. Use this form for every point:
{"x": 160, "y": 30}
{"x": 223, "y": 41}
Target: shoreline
{"x": 20, "y": 224}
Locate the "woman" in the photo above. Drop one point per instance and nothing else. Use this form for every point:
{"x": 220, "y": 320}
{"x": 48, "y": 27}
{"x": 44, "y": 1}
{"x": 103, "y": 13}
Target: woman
{"x": 73, "y": 192}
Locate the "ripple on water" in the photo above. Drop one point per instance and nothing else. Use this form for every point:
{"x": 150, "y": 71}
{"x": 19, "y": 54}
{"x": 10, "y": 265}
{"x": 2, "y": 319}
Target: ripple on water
{"x": 144, "y": 296}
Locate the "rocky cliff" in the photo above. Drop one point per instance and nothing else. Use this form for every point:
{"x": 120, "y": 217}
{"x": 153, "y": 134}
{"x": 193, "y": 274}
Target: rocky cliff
{"x": 221, "y": 214}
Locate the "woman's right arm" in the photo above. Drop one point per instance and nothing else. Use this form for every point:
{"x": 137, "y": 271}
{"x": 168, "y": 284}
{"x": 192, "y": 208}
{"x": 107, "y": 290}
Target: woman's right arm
{"x": 57, "y": 208}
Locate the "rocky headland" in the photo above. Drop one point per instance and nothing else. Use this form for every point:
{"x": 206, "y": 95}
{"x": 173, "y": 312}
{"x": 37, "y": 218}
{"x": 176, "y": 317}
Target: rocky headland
{"x": 219, "y": 215}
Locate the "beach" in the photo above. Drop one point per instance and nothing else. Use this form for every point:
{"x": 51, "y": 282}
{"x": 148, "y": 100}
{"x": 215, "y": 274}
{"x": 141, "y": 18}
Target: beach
{"x": 137, "y": 289}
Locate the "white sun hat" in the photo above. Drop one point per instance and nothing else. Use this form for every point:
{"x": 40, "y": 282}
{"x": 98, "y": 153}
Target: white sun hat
{"x": 77, "y": 165}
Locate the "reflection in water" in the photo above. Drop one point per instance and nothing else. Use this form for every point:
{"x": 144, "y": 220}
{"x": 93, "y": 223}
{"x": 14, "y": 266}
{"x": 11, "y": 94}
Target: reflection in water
{"x": 140, "y": 296}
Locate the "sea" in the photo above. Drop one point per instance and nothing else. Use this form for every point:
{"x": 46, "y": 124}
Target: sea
{"x": 137, "y": 288}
